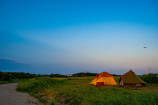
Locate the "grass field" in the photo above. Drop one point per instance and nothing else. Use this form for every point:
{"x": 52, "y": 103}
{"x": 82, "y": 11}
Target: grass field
{"x": 76, "y": 90}
{"x": 11, "y": 81}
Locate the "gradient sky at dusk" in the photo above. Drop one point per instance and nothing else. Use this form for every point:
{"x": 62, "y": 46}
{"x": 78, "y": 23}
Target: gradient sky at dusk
{"x": 61, "y": 36}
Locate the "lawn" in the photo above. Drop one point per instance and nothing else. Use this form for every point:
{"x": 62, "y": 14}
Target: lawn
{"x": 76, "y": 90}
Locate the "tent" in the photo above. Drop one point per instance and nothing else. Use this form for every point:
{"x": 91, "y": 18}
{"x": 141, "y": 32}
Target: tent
{"x": 94, "y": 80}
{"x": 103, "y": 78}
{"x": 130, "y": 79}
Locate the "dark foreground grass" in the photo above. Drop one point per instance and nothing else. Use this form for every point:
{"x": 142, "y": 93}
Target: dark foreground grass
{"x": 76, "y": 91}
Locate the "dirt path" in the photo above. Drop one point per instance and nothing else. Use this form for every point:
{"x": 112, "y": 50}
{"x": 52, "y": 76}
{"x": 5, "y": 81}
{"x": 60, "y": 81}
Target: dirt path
{"x": 9, "y": 96}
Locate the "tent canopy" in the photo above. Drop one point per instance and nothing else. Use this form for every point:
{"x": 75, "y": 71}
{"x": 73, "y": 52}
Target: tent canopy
{"x": 103, "y": 78}
{"x": 131, "y": 77}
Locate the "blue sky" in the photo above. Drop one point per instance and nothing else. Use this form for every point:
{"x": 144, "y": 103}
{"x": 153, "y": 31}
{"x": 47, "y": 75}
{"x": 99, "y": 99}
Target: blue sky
{"x": 60, "y": 36}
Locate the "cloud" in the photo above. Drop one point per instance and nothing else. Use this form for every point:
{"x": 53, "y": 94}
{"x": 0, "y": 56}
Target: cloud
{"x": 11, "y": 64}
{"x": 8, "y": 59}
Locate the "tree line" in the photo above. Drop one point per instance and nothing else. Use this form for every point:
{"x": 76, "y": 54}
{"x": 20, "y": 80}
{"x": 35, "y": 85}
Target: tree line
{"x": 150, "y": 78}
{"x": 7, "y": 76}
{"x": 83, "y": 74}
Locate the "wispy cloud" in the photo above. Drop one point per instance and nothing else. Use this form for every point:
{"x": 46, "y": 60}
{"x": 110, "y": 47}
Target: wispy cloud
{"x": 8, "y": 59}
{"x": 11, "y": 64}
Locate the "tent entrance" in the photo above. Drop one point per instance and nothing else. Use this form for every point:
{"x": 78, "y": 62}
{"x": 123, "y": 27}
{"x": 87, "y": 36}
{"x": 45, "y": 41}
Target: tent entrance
{"x": 100, "y": 84}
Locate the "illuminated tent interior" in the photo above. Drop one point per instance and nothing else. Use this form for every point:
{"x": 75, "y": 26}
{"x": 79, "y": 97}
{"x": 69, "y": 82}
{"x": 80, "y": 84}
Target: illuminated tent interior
{"x": 103, "y": 78}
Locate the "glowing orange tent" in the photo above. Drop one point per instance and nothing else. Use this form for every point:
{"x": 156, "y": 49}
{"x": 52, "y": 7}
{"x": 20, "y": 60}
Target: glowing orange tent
{"x": 103, "y": 78}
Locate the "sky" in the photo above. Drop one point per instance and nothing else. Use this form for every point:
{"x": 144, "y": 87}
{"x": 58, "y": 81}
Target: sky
{"x": 70, "y": 36}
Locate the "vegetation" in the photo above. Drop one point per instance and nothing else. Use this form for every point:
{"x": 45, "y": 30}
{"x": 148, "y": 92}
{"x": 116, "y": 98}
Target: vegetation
{"x": 37, "y": 84}
{"x": 83, "y": 74}
{"x": 11, "y": 77}
{"x": 11, "y": 81}
{"x": 76, "y": 90}
{"x": 57, "y": 75}
{"x": 8, "y": 76}
{"x": 150, "y": 78}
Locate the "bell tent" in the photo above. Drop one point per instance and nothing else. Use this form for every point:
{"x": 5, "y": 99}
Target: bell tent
{"x": 103, "y": 78}
{"x": 130, "y": 79}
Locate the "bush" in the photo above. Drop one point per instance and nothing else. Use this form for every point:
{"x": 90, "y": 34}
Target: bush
{"x": 37, "y": 84}
{"x": 150, "y": 78}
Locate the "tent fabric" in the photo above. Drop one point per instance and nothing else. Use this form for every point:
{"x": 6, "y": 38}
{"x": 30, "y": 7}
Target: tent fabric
{"x": 131, "y": 77}
{"x": 107, "y": 81}
{"x": 105, "y": 78}
{"x": 104, "y": 74}
{"x": 94, "y": 80}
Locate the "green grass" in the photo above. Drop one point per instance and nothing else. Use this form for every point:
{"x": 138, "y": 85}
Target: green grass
{"x": 11, "y": 81}
{"x": 76, "y": 91}
{"x": 36, "y": 85}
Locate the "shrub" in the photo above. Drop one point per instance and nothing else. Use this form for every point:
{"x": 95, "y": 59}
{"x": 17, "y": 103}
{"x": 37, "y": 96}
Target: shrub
{"x": 150, "y": 78}
{"x": 37, "y": 84}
